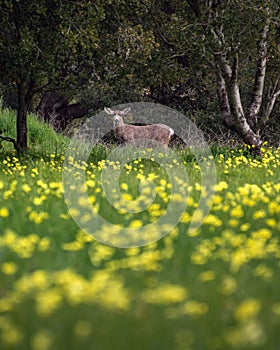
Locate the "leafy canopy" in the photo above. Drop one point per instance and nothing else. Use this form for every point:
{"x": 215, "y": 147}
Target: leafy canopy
{"x": 43, "y": 41}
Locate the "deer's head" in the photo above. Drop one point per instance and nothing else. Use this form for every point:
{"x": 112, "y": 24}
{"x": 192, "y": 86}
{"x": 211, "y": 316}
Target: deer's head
{"x": 118, "y": 120}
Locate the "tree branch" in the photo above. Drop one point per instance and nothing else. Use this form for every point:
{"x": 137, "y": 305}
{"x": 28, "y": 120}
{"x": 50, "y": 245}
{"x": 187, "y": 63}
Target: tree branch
{"x": 10, "y": 139}
{"x": 35, "y": 91}
{"x": 268, "y": 110}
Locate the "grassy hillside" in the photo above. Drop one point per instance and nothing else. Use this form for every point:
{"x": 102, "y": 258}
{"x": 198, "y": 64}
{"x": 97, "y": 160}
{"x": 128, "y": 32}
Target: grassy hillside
{"x": 41, "y": 137}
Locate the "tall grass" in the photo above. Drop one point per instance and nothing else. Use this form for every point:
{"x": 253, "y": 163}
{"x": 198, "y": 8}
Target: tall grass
{"x": 42, "y": 139}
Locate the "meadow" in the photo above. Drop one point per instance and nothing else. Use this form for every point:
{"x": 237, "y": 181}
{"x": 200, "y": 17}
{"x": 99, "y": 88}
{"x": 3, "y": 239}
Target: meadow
{"x": 217, "y": 287}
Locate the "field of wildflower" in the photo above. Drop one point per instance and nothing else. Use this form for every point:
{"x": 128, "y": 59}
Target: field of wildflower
{"x": 217, "y": 287}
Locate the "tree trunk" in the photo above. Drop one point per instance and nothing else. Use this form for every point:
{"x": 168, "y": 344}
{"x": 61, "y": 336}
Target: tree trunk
{"x": 223, "y": 100}
{"x": 21, "y": 140}
{"x": 231, "y": 104}
{"x": 258, "y": 88}
{"x": 247, "y": 121}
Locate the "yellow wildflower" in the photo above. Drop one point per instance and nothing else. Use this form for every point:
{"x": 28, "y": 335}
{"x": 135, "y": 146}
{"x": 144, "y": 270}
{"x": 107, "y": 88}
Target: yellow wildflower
{"x": 222, "y": 185}
{"x": 213, "y": 220}
{"x": 9, "y": 268}
{"x": 195, "y": 308}
{"x": 42, "y": 340}
{"x": 259, "y": 214}
{"x": 4, "y": 212}
{"x": 166, "y": 293}
{"x": 136, "y": 224}
{"x": 38, "y": 217}
{"x": 26, "y": 188}
{"x": 237, "y": 212}
{"x": 248, "y": 309}
{"x": 47, "y": 301}
{"x": 229, "y": 285}
{"x": 207, "y": 276}
{"x": 274, "y": 207}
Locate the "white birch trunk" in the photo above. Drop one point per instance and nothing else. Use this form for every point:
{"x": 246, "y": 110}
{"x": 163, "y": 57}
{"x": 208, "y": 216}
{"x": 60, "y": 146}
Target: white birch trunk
{"x": 258, "y": 89}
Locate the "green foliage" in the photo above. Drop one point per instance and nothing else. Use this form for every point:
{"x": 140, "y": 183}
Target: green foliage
{"x": 108, "y": 52}
{"x": 44, "y": 41}
{"x": 42, "y": 139}
{"x": 162, "y": 51}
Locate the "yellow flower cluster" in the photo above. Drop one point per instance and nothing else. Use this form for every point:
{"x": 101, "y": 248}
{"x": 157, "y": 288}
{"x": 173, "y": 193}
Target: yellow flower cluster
{"x": 216, "y": 287}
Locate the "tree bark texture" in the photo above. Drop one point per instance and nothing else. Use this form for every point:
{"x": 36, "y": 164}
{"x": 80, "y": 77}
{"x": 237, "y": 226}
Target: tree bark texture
{"x": 21, "y": 140}
{"x": 230, "y": 101}
{"x": 258, "y": 88}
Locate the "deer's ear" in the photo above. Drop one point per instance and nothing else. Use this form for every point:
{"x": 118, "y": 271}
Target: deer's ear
{"x": 125, "y": 111}
{"x": 108, "y": 110}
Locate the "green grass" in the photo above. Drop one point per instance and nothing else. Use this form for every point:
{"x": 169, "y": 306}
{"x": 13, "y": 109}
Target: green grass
{"x": 215, "y": 288}
{"x": 42, "y": 139}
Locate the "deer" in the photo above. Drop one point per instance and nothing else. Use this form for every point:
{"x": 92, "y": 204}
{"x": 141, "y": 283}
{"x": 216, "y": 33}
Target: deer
{"x": 136, "y": 134}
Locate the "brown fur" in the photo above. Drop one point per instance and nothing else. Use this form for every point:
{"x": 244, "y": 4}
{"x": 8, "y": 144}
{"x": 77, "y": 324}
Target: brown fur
{"x": 140, "y": 135}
